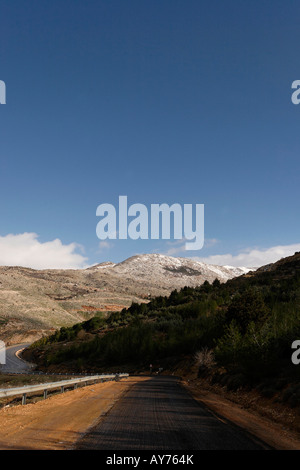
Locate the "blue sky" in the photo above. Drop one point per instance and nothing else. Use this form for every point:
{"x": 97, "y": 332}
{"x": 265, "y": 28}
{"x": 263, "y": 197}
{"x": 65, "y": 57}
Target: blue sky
{"x": 163, "y": 101}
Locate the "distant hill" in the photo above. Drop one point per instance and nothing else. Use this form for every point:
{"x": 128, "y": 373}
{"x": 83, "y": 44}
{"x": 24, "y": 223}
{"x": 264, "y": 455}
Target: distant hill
{"x": 36, "y": 302}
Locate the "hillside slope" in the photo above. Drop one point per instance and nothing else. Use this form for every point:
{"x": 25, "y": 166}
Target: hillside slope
{"x": 34, "y": 302}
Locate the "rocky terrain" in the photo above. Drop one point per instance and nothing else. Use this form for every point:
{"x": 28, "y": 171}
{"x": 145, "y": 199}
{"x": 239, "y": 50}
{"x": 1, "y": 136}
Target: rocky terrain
{"x": 36, "y": 302}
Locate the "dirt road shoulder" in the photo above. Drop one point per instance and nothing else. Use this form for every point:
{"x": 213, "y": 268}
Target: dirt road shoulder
{"x": 273, "y": 434}
{"x": 58, "y": 422}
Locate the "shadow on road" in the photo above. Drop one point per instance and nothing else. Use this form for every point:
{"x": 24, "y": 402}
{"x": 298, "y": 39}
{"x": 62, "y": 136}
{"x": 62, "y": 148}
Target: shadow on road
{"x": 159, "y": 414}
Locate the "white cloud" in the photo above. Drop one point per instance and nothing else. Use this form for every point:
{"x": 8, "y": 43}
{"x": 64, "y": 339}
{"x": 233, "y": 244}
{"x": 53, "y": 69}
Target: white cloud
{"x": 172, "y": 248}
{"x": 209, "y": 242}
{"x": 178, "y": 247}
{"x": 104, "y": 245}
{"x": 26, "y": 250}
{"x": 175, "y": 251}
{"x": 252, "y": 257}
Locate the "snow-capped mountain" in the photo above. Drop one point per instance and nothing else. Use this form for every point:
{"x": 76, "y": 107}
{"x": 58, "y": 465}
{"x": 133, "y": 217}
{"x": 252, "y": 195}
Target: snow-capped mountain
{"x": 33, "y": 302}
{"x": 160, "y": 272}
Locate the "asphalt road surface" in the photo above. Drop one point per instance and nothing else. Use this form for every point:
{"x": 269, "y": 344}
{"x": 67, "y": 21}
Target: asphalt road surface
{"x": 159, "y": 414}
{"x": 13, "y": 363}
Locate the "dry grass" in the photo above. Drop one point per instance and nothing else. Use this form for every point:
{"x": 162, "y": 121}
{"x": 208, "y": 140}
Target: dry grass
{"x": 204, "y": 358}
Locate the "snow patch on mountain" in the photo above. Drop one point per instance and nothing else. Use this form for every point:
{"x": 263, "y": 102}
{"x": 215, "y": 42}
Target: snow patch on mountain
{"x": 169, "y": 272}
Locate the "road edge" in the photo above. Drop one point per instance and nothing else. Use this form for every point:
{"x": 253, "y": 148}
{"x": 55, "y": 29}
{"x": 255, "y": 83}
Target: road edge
{"x": 259, "y": 427}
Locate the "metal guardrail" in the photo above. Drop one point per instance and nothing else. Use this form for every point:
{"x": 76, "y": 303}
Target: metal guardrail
{"x": 26, "y": 389}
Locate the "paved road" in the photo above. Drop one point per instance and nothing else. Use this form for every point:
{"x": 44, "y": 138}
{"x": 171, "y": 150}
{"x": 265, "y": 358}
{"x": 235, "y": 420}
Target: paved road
{"x": 159, "y": 414}
{"x": 13, "y": 363}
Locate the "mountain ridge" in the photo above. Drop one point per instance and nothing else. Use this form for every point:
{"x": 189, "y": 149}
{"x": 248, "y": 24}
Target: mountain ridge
{"x": 35, "y": 302}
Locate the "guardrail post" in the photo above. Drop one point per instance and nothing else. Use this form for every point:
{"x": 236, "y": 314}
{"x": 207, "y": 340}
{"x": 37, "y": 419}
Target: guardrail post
{"x": 62, "y": 389}
{"x": 23, "y": 391}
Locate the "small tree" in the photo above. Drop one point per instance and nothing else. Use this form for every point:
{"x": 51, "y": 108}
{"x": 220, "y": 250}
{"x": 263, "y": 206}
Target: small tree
{"x": 246, "y": 308}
